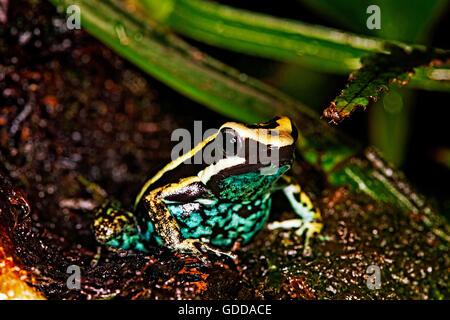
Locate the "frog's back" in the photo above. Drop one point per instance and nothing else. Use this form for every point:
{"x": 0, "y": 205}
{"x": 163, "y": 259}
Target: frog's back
{"x": 175, "y": 170}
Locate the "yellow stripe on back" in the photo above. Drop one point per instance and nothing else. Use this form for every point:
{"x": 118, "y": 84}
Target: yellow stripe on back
{"x": 172, "y": 165}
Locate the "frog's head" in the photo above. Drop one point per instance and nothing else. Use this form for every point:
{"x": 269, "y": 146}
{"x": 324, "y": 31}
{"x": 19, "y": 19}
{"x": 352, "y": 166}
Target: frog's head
{"x": 254, "y": 157}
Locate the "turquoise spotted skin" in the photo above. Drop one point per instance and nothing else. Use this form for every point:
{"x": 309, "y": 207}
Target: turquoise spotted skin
{"x": 133, "y": 240}
{"x": 238, "y": 213}
{"x": 250, "y": 186}
{"x": 222, "y": 223}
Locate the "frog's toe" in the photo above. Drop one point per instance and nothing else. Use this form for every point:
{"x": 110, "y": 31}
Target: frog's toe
{"x": 202, "y": 257}
{"x": 309, "y": 229}
{"x": 218, "y": 252}
{"x": 200, "y": 250}
{"x": 194, "y": 247}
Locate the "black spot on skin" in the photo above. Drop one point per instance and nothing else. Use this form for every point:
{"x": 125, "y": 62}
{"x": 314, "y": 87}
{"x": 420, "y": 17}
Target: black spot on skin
{"x": 271, "y": 124}
{"x": 244, "y": 212}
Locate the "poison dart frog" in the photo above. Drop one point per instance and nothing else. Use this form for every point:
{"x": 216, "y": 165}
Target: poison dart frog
{"x": 201, "y": 208}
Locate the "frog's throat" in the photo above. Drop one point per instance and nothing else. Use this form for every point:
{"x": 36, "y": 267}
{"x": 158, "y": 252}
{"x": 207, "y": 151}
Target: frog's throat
{"x": 172, "y": 165}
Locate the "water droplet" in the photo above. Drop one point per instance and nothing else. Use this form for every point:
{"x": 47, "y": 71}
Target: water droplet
{"x": 243, "y": 77}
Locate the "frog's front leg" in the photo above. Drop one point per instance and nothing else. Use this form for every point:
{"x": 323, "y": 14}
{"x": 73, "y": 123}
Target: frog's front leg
{"x": 167, "y": 228}
{"x": 311, "y": 219}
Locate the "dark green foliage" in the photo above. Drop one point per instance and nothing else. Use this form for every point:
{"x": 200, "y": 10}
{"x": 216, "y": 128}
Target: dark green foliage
{"x": 377, "y": 73}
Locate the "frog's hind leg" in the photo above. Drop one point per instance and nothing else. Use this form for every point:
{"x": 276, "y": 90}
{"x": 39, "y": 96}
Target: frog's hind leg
{"x": 167, "y": 228}
{"x": 117, "y": 228}
{"x": 311, "y": 219}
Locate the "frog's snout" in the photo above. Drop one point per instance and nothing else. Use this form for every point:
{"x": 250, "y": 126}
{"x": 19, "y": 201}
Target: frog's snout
{"x": 286, "y": 127}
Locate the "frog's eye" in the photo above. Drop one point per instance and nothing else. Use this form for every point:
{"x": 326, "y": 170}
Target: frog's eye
{"x": 230, "y": 142}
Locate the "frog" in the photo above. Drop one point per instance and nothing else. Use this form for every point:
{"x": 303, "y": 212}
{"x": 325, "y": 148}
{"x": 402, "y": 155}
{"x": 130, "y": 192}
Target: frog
{"x": 206, "y": 208}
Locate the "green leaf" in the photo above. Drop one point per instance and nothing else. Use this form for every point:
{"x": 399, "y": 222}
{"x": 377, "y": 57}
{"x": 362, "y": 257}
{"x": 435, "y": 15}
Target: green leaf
{"x": 318, "y": 47}
{"x": 396, "y": 16}
{"x": 262, "y": 35}
{"x": 388, "y": 121}
{"x": 378, "y": 72}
